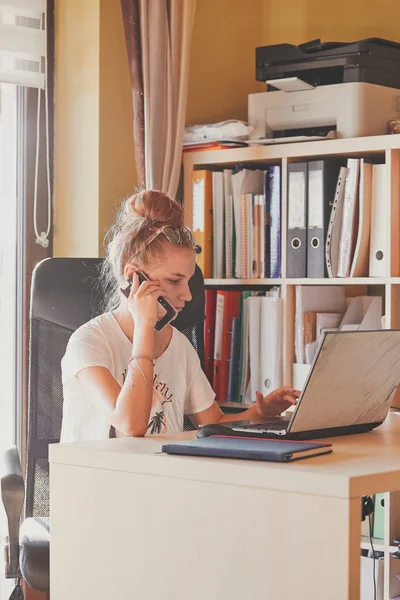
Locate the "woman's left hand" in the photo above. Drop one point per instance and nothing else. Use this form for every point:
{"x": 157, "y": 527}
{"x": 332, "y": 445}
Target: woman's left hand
{"x": 276, "y": 402}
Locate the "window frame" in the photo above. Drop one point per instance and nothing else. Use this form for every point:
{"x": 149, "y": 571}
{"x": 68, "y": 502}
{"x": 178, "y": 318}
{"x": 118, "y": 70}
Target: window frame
{"x": 29, "y": 253}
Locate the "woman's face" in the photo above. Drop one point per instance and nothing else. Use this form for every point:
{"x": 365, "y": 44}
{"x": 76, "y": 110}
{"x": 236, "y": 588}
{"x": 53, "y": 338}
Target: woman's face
{"x": 173, "y": 270}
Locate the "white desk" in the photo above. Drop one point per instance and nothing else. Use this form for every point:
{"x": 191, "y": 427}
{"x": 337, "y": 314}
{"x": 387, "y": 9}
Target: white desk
{"x": 129, "y": 523}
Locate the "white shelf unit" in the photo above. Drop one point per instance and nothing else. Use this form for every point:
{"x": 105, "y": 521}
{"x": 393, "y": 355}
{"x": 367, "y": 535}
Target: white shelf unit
{"x": 385, "y": 149}
{"x": 381, "y": 148}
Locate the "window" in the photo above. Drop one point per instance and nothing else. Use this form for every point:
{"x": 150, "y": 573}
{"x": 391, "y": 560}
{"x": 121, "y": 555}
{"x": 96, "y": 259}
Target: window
{"x": 8, "y": 277}
{"x": 8, "y": 260}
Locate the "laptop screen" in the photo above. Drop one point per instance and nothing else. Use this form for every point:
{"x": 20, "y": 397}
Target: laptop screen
{"x": 352, "y": 380}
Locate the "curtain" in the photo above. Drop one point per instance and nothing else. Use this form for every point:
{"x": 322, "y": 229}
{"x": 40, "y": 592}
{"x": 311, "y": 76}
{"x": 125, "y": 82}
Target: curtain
{"x": 130, "y": 15}
{"x": 23, "y": 42}
{"x": 158, "y": 35}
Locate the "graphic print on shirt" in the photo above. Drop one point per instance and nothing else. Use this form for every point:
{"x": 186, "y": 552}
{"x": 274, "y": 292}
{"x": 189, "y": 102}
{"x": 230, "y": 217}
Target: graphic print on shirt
{"x": 161, "y": 395}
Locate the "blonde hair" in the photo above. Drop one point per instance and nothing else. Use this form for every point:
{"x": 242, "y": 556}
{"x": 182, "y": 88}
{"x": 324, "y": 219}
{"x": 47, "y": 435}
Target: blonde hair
{"x": 138, "y": 217}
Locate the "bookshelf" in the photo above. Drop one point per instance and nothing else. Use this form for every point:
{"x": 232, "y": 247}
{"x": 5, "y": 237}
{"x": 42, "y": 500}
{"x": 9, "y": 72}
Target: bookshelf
{"x": 381, "y": 149}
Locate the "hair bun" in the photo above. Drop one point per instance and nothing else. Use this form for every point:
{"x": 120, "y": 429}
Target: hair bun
{"x": 155, "y": 206}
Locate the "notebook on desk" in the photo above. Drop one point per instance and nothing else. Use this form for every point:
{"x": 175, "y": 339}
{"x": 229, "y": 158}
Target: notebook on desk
{"x": 248, "y": 448}
{"x": 349, "y": 389}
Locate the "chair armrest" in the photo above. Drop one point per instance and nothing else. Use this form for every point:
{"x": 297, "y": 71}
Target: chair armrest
{"x": 12, "y": 495}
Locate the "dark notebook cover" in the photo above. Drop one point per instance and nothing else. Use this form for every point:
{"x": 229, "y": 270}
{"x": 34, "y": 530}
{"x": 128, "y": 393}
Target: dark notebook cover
{"x": 248, "y": 448}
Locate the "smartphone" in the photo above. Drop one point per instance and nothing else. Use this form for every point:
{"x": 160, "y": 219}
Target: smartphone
{"x": 169, "y": 312}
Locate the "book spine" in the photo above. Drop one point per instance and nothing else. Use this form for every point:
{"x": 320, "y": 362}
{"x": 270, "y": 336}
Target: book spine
{"x": 275, "y": 220}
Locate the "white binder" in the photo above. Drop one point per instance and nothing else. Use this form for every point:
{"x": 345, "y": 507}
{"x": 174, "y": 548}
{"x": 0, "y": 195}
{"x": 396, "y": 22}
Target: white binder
{"x": 218, "y": 224}
{"x": 229, "y": 224}
{"x": 350, "y": 203}
{"x": 270, "y": 345}
{"x": 335, "y": 224}
{"x": 264, "y": 313}
{"x": 360, "y": 264}
{"x": 296, "y": 245}
{"x": 379, "y": 257}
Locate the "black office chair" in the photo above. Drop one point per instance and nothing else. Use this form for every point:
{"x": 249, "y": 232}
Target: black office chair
{"x": 64, "y": 295}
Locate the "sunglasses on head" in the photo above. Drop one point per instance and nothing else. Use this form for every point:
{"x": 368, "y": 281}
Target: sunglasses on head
{"x": 175, "y": 235}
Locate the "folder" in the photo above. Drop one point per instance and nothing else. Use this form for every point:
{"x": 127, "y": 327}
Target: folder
{"x": 264, "y": 316}
{"x": 209, "y": 332}
{"x": 254, "y": 324}
{"x": 273, "y": 223}
{"x": 318, "y": 298}
{"x": 218, "y": 337}
{"x": 218, "y": 224}
{"x": 243, "y": 386}
{"x": 364, "y": 313}
{"x": 379, "y": 515}
{"x": 227, "y": 310}
{"x": 379, "y": 265}
{"x": 246, "y": 235}
{"x": 270, "y": 345}
{"x": 266, "y": 229}
{"x": 229, "y": 225}
{"x": 322, "y": 179}
{"x": 233, "y": 378}
{"x": 202, "y": 225}
{"x": 296, "y": 260}
{"x": 349, "y": 221}
{"x": 335, "y": 225}
{"x": 327, "y": 321}
{"x": 310, "y": 334}
{"x": 258, "y": 235}
{"x": 360, "y": 264}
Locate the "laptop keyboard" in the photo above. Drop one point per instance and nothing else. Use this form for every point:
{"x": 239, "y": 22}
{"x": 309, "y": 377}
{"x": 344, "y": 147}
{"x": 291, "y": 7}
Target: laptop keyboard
{"x": 278, "y": 427}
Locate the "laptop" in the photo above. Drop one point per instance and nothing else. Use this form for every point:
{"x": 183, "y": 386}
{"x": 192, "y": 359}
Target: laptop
{"x": 349, "y": 389}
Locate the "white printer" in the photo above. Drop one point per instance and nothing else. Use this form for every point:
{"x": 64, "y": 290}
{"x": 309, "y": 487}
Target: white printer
{"x": 352, "y": 89}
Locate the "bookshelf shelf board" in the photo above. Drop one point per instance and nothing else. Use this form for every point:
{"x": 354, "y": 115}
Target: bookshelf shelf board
{"x": 306, "y": 281}
{"x": 259, "y": 154}
{"x": 378, "y": 544}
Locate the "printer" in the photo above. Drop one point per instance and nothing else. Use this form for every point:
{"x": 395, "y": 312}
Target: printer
{"x": 351, "y": 89}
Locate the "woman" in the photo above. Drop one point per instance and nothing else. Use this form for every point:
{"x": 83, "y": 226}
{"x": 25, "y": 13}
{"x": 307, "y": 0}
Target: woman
{"x": 118, "y": 371}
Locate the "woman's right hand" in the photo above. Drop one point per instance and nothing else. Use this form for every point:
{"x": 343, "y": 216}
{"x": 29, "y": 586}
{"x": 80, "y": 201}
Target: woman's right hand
{"x": 142, "y": 301}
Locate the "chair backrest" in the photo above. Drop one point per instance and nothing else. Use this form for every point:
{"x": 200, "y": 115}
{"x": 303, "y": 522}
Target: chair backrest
{"x": 64, "y": 295}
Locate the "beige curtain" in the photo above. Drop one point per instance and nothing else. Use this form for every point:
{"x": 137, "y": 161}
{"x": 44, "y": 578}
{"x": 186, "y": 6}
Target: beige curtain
{"x": 166, "y": 32}
{"x": 130, "y": 15}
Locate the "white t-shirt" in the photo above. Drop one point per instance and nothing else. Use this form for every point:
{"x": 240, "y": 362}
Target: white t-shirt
{"x": 180, "y": 386}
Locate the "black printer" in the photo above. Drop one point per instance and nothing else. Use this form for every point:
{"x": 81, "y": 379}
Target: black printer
{"x": 373, "y": 60}
{"x": 350, "y": 88}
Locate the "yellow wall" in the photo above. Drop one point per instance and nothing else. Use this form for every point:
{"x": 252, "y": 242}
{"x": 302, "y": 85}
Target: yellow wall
{"x": 222, "y": 66}
{"x": 226, "y": 33}
{"x": 76, "y": 131}
{"x": 117, "y": 173}
{"x": 93, "y": 152}
{"x": 94, "y": 158}
{"x": 298, "y": 21}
